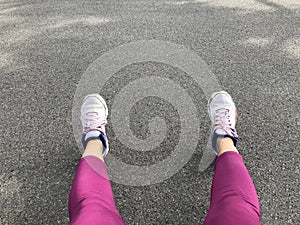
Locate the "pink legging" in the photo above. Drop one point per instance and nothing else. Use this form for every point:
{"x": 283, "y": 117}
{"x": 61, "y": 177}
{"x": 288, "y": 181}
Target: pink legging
{"x": 233, "y": 197}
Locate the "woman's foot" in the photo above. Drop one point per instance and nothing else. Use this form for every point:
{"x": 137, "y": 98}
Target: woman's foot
{"x": 94, "y": 118}
{"x": 223, "y": 116}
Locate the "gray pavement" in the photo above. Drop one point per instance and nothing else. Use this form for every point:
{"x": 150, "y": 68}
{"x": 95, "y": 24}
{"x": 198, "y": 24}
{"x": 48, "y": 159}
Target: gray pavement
{"x": 45, "y": 46}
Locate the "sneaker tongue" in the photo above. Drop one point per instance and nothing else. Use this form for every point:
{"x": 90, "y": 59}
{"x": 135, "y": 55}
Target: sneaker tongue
{"x": 220, "y": 132}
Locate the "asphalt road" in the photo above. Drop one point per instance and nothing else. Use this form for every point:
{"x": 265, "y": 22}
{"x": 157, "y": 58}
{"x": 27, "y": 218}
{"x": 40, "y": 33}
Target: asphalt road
{"x": 252, "y": 47}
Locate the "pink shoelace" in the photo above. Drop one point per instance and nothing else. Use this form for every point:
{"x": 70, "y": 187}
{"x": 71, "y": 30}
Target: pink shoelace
{"x": 93, "y": 122}
{"x": 223, "y": 121}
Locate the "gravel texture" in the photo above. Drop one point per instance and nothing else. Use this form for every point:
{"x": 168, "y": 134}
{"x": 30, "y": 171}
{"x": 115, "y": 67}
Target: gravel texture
{"x": 252, "y": 47}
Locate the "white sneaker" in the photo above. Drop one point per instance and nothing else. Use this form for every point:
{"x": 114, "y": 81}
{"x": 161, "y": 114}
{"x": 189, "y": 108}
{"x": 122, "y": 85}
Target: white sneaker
{"x": 223, "y": 116}
{"x": 94, "y": 113}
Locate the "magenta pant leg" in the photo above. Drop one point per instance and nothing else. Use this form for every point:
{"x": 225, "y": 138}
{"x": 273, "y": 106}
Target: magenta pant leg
{"x": 91, "y": 199}
{"x": 233, "y": 195}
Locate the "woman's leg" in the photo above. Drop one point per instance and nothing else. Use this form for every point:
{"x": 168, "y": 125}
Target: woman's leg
{"x": 233, "y": 195}
{"x": 91, "y": 200}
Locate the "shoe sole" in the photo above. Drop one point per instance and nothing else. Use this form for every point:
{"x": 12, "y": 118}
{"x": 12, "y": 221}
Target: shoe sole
{"x": 100, "y": 99}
